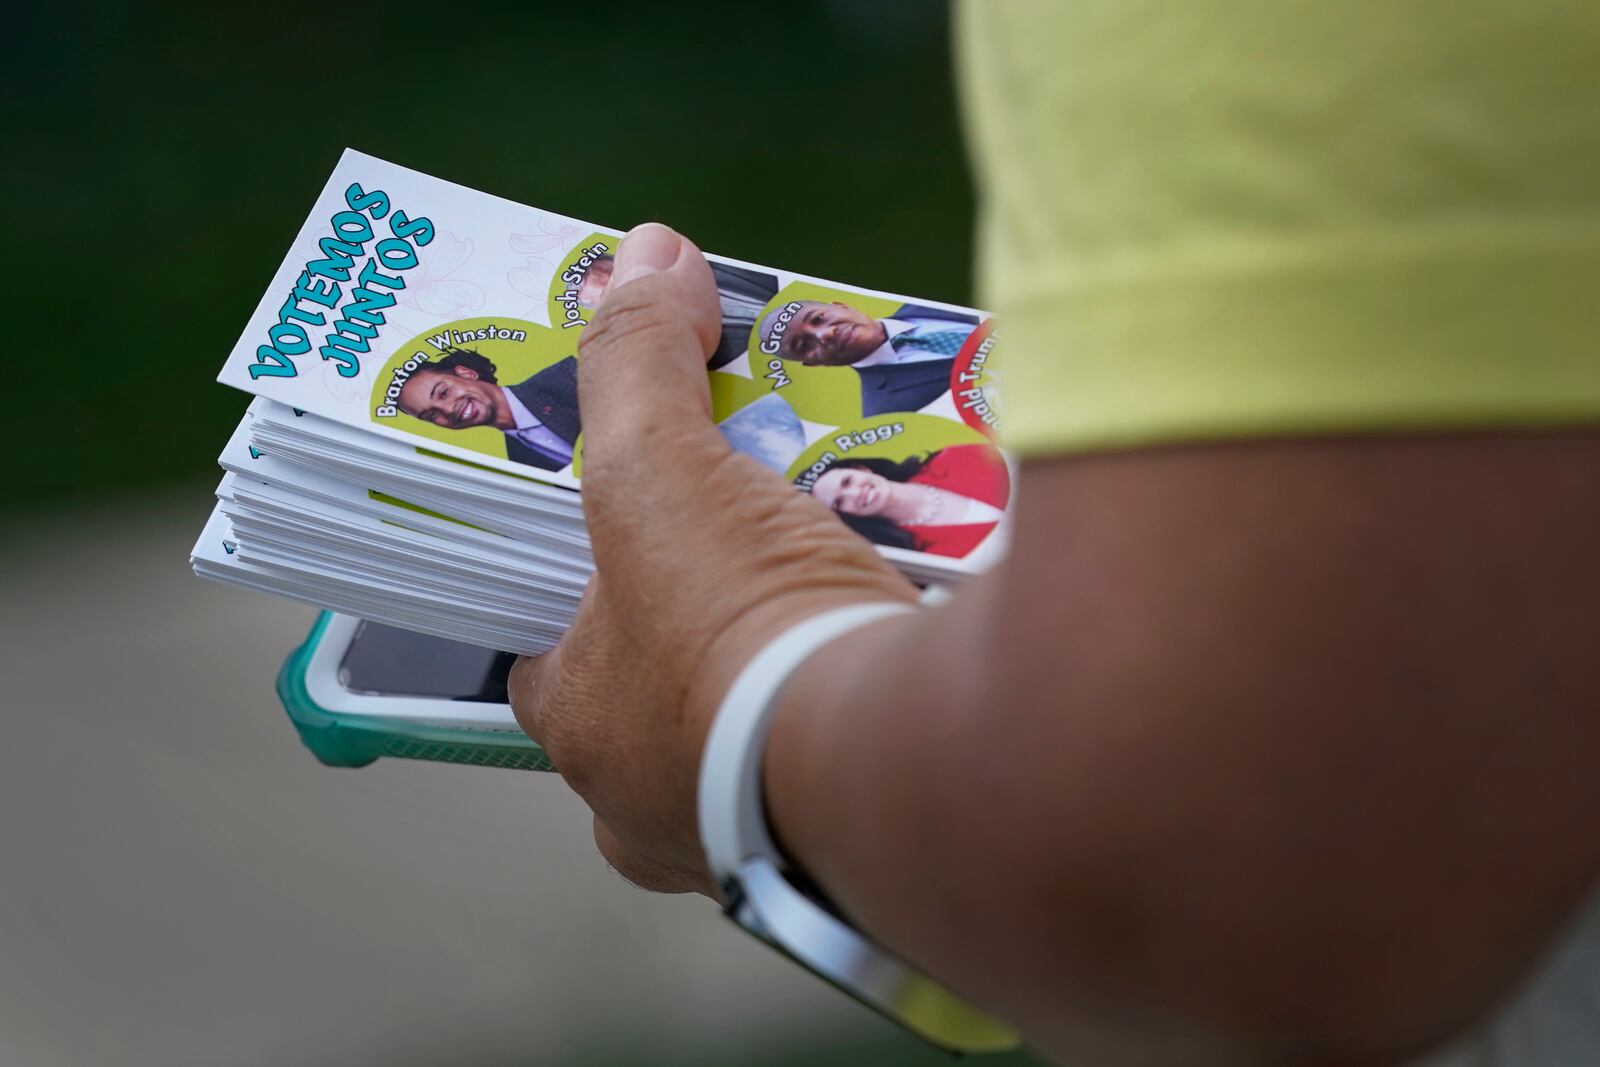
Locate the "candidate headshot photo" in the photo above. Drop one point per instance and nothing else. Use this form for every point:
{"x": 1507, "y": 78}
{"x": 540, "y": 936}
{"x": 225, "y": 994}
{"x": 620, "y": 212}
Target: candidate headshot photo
{"x": 538, "y": 415}
{"x": 743, "y": 293}
{"x": 944, "y": 503}
{"x": 904, "y": 359}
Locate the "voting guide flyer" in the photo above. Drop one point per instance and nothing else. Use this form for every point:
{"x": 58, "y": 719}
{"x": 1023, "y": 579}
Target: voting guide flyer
{"x": 448, "y": 320}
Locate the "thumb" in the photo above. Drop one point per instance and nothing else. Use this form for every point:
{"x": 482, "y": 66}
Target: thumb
{"x": 642, "y": 385}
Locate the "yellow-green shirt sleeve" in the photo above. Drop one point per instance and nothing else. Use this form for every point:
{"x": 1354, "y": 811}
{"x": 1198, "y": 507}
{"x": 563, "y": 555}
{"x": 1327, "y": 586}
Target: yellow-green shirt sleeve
{"x": 1229, "y": 218}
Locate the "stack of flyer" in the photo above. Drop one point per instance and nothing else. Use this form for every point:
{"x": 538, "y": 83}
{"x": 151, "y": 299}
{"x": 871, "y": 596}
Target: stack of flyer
{"x": 414, "y": 453}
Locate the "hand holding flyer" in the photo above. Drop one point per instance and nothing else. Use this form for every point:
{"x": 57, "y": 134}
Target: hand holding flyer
{"x": 416, "y": 363}
{"x": 703, "y": 557}
{"x": 754, "y": 449}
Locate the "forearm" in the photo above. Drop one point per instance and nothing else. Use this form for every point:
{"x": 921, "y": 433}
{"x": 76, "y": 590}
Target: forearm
{"x": 1226, "y": 745}
{"x": 1285, "y": 750}
{"x": 913, "y": 780}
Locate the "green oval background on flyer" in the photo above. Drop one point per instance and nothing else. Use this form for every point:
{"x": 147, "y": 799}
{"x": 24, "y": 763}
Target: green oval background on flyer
{"x": 517, "y": 348}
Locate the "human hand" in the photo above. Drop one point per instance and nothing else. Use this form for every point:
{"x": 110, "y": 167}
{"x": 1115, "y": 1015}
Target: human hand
{"x": 702, "y": 556}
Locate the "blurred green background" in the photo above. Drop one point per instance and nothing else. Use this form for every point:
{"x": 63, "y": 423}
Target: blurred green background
{"x": 164, "y": 155}
{"x": 184, "y": 885}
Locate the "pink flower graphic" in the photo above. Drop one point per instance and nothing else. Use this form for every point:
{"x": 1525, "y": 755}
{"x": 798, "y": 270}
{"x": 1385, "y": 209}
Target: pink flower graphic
{"x": 533, "y": 277}
{"x": 431, "y": 288}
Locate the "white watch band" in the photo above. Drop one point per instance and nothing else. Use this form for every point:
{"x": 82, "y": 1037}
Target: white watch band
{"x": 750, "y": 871}
{"x": 733, "y": 821}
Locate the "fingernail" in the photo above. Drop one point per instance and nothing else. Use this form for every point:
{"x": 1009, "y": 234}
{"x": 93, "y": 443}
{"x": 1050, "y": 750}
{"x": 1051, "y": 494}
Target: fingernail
{"x": 648, "y": 248}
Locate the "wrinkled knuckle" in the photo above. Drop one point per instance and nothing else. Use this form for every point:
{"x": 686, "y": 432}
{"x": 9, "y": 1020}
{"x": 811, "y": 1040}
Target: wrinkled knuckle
{"x": 541, "y": 700}
{"x": 519, "y": 681}
{"x": 574, "y": 736}
{"x": 635, "y": 317}
{"x": 524, "y": 689}
{"x": 644, "y": 429}
{"x": 617, "y": 485}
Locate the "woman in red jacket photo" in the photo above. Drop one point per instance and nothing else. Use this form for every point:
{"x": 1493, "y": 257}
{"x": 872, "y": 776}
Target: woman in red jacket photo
{"x": 944, "y": 503}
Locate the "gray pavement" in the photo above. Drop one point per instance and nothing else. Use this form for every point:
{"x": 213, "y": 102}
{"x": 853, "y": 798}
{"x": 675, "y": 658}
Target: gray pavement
{"x": 181, "y": 883}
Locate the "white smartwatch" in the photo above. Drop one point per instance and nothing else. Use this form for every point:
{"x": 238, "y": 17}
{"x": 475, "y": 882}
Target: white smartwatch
{"x": 758, "y": 886}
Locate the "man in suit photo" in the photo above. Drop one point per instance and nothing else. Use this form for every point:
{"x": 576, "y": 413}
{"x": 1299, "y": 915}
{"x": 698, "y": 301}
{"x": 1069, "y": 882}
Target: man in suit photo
{"x": 538, "y": 415}
{"x": 904, "y": 360}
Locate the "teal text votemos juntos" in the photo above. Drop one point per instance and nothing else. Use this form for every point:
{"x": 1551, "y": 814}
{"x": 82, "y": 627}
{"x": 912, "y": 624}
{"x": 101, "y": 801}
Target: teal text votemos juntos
{"x": 321, "y": 292}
